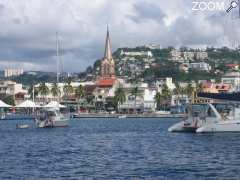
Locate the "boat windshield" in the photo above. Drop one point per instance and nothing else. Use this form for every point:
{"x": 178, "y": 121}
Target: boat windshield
{"x": 202, "y": 111}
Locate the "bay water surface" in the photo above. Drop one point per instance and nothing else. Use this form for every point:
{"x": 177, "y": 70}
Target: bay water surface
{"x": 116, "y": 149}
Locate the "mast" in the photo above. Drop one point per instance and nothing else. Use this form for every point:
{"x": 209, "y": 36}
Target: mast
{"x": 57, "y": 46}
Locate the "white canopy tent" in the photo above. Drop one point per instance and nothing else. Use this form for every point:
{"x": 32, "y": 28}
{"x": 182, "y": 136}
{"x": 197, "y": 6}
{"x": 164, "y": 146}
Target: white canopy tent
{"x": 54, "y": 104}
{"x": 4, "y": 105}
{"x": 27, "y": 104}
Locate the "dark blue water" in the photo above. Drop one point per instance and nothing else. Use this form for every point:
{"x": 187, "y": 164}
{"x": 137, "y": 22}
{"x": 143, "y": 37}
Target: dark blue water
{"x": 116, "y": 149}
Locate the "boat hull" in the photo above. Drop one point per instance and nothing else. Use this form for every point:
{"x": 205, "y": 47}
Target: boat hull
{"x": 53, "y": 124}
{"x": 225, "y": 126}
{"x": 184, "y": 126}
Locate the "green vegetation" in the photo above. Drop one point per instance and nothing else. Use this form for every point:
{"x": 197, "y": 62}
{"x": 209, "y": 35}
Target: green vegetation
{"x": 119, "y": 97}
{"x": 55, "y": 90}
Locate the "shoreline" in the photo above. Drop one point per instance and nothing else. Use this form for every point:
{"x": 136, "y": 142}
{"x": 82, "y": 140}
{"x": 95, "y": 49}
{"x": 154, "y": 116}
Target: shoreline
{"x": 124, "y": 116}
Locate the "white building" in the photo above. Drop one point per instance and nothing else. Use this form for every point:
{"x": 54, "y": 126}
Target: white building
{"x": 187, "y": 55}
{"x": 11, "y": 88}
{"x": 167, "y": 81}
{"x": 153, "y": 46}
{"x": 144, "y": 102}
{"x": 140, "y": 53}
{"x": 176, "y": 55}
{"x": 233, "y": 79}
{"x": 202, "y": 55}
{"x": 12, "y": 72}
{"x": 201, "y": 66}
{"x": 178, "y": 100}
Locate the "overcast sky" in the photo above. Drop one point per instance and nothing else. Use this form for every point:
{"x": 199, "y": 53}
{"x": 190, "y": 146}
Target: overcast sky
{"x": 28, "y": 27}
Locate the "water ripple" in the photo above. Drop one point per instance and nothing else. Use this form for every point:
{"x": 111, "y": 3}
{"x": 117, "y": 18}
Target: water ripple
{"x": 116, "y": 149}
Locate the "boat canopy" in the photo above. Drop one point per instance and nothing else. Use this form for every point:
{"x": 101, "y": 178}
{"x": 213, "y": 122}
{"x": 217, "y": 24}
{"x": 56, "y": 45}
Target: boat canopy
{"x": 27, "y": 104}
{"x": 4, "y": 105}
{"x": 54, "y": 104}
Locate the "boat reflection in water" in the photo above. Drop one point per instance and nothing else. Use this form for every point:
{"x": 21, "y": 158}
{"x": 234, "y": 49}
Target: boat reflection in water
{"x": 206, "y": 118}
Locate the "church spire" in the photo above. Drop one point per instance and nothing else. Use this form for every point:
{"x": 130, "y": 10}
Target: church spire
{"x": 108, "y": 48}
{"x": 108, "y": 64}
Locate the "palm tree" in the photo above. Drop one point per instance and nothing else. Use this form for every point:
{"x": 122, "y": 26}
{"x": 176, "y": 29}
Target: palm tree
{"x": 32, "y": 91}
{"x": 55, "y": 90}
{"x": 68, "y": 89}
{"x": 199, "y": 87}
{"x": 135, "y": 93}
{"x": 166, "y": 94}
{"x": 79, "y": 93}
{"x": 43, "y": 90}
{"x": 190, "y": 90}
{"x": 158, "y": 99}
{"x": 119, "y": 97}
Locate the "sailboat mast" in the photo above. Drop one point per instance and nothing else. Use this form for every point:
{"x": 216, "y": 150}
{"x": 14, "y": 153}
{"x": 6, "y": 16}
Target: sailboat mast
{"x": 57, "y": 44}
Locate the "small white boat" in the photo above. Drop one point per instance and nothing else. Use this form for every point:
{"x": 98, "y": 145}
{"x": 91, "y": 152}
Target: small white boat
{"x": 163, "y": 112}
{"x": 52, "y": 118}
{"x": 208, "y": 120}
{"x": 22, "y": 126}
{"x": 122, "y": 117}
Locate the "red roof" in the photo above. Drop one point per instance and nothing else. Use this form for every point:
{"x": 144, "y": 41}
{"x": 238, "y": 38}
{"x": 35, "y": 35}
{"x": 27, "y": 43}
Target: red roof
{"x": 106, "y": 82}
{"x": 231, "y": 65}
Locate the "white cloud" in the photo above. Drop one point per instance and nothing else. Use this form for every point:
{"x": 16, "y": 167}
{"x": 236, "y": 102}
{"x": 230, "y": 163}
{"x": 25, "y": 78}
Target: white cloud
{"x": 28, "y": 27}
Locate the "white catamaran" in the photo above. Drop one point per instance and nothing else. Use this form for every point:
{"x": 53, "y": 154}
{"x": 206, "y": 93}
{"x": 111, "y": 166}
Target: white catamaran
{"x": 205, "y": 118}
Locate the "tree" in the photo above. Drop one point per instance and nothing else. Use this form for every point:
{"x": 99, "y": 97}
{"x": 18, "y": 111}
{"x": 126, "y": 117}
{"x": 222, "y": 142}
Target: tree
{"x": 68, "y": 89}
{"x": 119, "y": 97}
{"x": 79, "y": 93}
{"x": 135, "y": 93}
{"x": 158, "y": 99}
{"x": 31, "y": 91}
{"x": 43, "y": 90}
{"x": 55, "y": 90}
{"x": 190, "y": 90}
{"x": 166, "y": 94}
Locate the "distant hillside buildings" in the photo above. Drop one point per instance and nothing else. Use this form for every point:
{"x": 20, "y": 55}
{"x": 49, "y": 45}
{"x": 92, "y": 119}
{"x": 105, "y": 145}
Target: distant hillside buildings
{"x": 177, "y": 55}
{"x": 137, "y": 53}
{"x": 10, "y": 72}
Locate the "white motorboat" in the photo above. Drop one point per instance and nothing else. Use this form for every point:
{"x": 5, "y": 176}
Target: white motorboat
{"x": 205, "y": 118}
{"x": 122, "y": 116}
{"x": 51, "y": 118}
{"x": 22, "y": 126}
{"x": 163, "y": 112}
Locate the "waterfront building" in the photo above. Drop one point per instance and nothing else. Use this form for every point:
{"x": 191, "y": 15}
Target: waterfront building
{"x": 143, "y": 102}
{"x": 233, "y": 79}
{"x": 11, "y": 88}
{"x": 209, "y": 87}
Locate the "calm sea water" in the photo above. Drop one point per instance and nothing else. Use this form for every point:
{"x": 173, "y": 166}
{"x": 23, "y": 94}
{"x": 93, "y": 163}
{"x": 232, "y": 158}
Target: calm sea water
{"x": 116, "y": 149}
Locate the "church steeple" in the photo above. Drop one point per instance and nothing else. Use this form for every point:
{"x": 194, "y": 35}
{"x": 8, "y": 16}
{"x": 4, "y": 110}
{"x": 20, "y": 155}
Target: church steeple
{"x": 108, "y": 48}
{"x": 108, "y": 64}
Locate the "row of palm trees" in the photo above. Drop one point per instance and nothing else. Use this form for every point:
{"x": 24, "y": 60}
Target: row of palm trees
{"x": 161, "y": 98}
{"x": 68, "y": 89}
